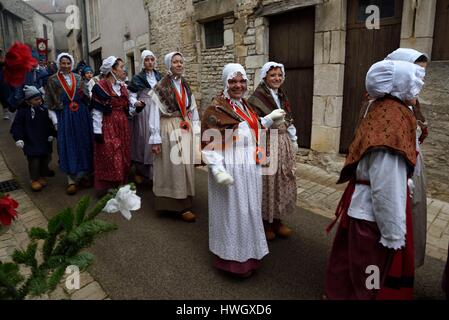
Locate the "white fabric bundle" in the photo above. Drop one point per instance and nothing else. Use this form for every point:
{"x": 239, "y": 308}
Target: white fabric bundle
{"x": 401, "y": 79}
{"x": 405, "y": 54}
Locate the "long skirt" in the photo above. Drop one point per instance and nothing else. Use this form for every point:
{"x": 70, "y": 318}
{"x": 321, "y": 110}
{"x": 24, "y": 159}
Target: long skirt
{"x": 75, "y": 139}
{"x": 236, "y": 233}
{"x": 113, "y": 158}
{"x": 279, "y": 189}
{"x": 360, "y": 268}
{"x": 174, "y": 171}
{"x": 141, "y": 153}
{"x": 419, "y": 210}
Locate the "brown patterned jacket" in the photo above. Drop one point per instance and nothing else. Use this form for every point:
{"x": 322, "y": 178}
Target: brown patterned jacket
{"x": 389, "y": 125}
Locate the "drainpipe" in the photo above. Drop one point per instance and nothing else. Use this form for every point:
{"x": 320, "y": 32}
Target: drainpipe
{"x": 84, "y": 30}
{"x": 3, "y": 29}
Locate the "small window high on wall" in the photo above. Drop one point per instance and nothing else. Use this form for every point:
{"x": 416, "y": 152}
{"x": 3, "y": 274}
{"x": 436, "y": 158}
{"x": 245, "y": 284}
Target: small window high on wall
{"x": 214, "y": 32}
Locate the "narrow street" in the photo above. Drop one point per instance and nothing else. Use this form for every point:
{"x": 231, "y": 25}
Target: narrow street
{"x": 157, "y": 257}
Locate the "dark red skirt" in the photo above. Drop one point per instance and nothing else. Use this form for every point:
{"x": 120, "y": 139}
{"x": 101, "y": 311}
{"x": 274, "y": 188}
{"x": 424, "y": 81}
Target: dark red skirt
{"x": 112, "y": 159}
{"x": 356, "y": 247}
{"x": 235, "y": 267}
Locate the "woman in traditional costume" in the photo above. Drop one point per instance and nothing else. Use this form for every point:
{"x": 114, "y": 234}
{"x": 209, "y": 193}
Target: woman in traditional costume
{"x": 140, "y": 87}
{"x": 65, "y": 97}
{"x": 279, "y": 189}
{"x": 419, "y": 193}
{"x": 110, "y": 100}
{"x": 372, "y": 256}
{"x": 174, "y": 124}
{"x": 230, "y": 133}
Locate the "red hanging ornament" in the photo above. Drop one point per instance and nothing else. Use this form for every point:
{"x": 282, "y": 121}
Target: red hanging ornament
{"x": 18, "y": 62}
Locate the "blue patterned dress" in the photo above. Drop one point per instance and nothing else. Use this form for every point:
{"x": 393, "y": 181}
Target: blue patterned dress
{"x": 75, "y": 132}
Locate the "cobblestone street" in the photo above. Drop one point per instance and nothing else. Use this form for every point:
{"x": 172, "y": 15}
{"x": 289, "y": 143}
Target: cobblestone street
{"x": 435, "y": 100}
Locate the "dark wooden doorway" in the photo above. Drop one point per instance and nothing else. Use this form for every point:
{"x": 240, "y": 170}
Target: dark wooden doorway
{"x": 440, "y": 49}
{"x": 292, "y": 38}
{"x": 97, "y": 60}
{"x": 363, "y": 48}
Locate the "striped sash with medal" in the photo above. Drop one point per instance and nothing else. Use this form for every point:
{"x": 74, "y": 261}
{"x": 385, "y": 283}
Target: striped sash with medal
{"x": 70, "y": 91}
{"x": 185, "y": 124}
{"x": 253, "y": 121}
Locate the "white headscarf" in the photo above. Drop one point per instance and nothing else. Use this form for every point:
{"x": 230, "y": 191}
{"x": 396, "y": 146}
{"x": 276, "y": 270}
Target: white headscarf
{"x": 401, "y": 79}
{"x": 405, "y": 54}
{"x": 230, "y": 71}
{"x": 62, "y": 55}
{"x": 145, "y": 54}
{"x": 167, "y": 60}
{"x": 106, "y": 67}
{"x": 267, "y": 66}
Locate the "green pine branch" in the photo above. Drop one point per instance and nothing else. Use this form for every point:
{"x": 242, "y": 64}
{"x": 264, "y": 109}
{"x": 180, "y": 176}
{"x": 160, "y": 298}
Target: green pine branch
{"x": 69, "y": 232}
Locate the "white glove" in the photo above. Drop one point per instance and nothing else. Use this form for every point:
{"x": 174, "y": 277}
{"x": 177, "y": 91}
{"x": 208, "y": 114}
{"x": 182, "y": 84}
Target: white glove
{"x": 295, "y": 146}
{"x": 54, "y": 118}
{"x": 50, "y": 139}
{"x": 411, "y": 187}
{"x": 20, "y": 144}
{"x": 196, "y": 129}
{"x": 224, "y": 178}
{"x": 277, "y": 115}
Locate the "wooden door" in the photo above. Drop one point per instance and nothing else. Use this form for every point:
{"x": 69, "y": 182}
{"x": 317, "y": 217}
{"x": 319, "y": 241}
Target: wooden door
{"x": 292, "y": 38}
{"x": 440, "y": 49}
{"x": 97, "y": 60}
{"x": 364, "y": 47}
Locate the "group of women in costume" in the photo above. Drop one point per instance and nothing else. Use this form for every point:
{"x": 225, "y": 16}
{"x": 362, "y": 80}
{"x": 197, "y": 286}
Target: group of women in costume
{"x": 153, "y": 122}
{"x": 240, "y": 140}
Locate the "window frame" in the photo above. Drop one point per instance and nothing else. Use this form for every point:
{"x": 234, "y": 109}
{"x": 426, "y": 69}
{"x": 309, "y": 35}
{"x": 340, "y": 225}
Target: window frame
{"x": 219, "y": 32}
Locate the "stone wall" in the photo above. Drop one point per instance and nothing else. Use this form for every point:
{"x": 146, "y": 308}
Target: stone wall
{"x": 55, "y": 10}
{"x": 74, "y": 48}
{"x": 172, "y": 29}
{"x": 246, "y": 40}
{"x": 123, "y": 30}
{"x": 212, "y": 62}
{"x": 39, "y": 21}
{"x": 26, "y": 12}
{"x": 330, "y": 36}
{"x": 419, "y": 34}
{"x": 32, "y": 24}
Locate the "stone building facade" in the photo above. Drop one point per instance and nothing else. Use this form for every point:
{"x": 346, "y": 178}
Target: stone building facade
{"x": 21, "y": 22}
{"x": 182, "y": 25}
{"x": 56, "y": 11}
{"x": 119, "y": 28}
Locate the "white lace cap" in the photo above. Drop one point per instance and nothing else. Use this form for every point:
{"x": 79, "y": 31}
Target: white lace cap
{"x": 399, "y": 78}
{"x": 230, "y": 71}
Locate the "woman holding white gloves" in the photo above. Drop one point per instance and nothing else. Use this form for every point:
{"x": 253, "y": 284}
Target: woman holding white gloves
{"x": 230, "y": 131}
{"x": 279, "y": 189}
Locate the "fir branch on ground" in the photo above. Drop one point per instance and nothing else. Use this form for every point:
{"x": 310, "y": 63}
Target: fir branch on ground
{"x": 67, "y": 234}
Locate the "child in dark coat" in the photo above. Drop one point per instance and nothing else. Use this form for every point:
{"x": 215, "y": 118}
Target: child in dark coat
{"x": 34, "y": 132}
